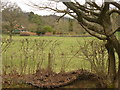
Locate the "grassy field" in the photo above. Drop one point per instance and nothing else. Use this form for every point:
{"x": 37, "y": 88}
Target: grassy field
{"x": 118, "y": 35}
{"x": 25, "y": 54}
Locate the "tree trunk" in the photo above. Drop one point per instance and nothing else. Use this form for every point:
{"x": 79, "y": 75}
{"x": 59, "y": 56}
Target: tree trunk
{"x": 111, "y": 63}
{"x": 119, "y": 73}
{"x": 116, "y": 45}
{"x": 10, "y": 35}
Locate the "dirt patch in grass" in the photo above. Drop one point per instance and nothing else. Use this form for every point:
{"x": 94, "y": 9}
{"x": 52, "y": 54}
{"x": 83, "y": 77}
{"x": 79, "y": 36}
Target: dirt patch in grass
{"x": 45, "y": 79}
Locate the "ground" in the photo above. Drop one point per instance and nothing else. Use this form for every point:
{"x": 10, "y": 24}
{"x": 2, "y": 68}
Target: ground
{"x": 44, "y": 79}
{"x": 27, "y": 54}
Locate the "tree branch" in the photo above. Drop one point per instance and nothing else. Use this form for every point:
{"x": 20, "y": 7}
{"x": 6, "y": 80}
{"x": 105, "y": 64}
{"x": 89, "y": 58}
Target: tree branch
{"x": 116, "y": 4}
{"x": 86, "y": 10}
{"x": 97, "y": 36}
{"x": 92, "y": 27}
{"x": 45, "y": 7}
{"x": 114, "y": 11}
{"x": 94, "y": 5}
{"x": 113, "y": 32}
{"x": 61, "y": 17}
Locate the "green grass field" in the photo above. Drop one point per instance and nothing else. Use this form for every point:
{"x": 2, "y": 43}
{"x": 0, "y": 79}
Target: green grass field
{"x": 118, "y": 35}
{"x": 27, "y": 53}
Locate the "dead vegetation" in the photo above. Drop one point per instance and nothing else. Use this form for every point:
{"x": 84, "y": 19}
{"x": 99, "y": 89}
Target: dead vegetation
{"x": 44, "y": 79}
{"x": 31, "y": 71}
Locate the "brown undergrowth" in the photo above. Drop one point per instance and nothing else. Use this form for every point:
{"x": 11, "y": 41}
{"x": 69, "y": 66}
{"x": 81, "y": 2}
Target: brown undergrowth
{"x": 45, "y": 79}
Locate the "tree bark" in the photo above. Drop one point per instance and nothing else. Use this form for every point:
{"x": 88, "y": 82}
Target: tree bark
{"x": 111, "y": 63}
{"x": 116, "y": 45}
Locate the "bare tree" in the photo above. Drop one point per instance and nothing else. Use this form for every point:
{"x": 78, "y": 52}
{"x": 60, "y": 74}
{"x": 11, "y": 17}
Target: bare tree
{"x": 96, "y": 20}
{"x": 10, "y": 14}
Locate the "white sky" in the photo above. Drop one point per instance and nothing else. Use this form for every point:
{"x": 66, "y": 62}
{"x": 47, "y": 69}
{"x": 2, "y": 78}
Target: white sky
{"x": 26, "y": 8}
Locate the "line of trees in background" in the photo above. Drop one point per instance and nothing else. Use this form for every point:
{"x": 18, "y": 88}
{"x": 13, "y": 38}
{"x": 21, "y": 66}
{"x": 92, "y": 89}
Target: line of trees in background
{"x": 13, "y": 15}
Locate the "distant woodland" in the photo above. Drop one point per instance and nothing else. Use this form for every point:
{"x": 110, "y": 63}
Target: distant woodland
{"x": 12, "y": 15}
{"x": 39, "y": 24}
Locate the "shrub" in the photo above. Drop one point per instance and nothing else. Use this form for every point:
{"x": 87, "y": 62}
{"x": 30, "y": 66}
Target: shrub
{"x": 48, "y": 29}
{"x": 95, "y": 52}
{"x": 44, "y": 30}
{"x": 40, "y": 32}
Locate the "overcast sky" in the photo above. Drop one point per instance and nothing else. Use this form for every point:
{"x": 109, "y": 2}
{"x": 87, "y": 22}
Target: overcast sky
{"x": 26, "y": 8}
